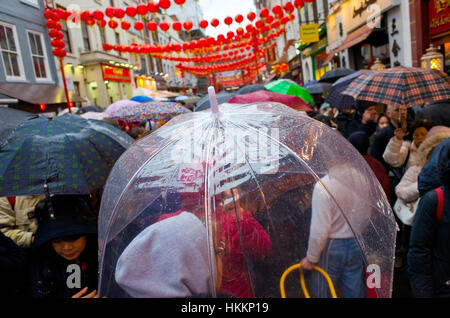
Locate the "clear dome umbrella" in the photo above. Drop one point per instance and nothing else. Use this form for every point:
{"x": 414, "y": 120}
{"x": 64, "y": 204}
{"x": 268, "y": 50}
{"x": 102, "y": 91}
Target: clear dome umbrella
{"x": 256, "y": 178}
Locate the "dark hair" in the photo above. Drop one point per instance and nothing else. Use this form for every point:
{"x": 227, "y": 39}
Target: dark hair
{"x": 360, "y": 141}
{"x": 381, "y": 115}
{"x": 135, "y": 132}
{"x": 422, "y": 122}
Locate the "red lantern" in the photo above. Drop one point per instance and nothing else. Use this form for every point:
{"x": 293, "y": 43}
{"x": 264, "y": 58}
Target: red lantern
{"x": 249, "y": 28}
{"x": 107, "y": 47}
{"x": 203, "y": 24}
{"x": 98, "y": 15}
{"x": 85, "y": 15}
{"x": 239, "y": 18}
{"x": 285, "y": 20}
{"x": 211, "y": 41}
{"x": 48, "y": 14}
{"x": 141, "y": 9}
{"x": 58, "y": 44}
{"x": 288, "y": 7}
{"x": 228, "y": 21}
{"x": 113, "y": 24}
{"x": 109, "y": 11}
{"x": 230, "y": 35}
{"x": 152, "y": 26}
{"x": 55, "y": 34}
{"x": 165, "y": 4}
{"x": 251, "y": 16}
{"x": 61, "y": 53}
{"x": 277, "y": 10}
{"x": 240, "y": 31}
{"x": 177, "y": 26}
{"x": 270, "y": 19}
{"x": 264, "y": 13}
{"x": 187, "y": 25}
{"x": 119, "y": 13}
{"x": 221, "y": 38}
{"x": 180, "y": 2}
{"x": 152, "y": 7}
{"x": 215, "y": 22}
{"x": 259, "y": 24}
{"x": 101, "y": 23}
{"x": 131, "y": 12}
{"x": 299, "y": 4}
{"x": 164, "y": 26}
{"x": 51, "y": 24}
{"x": 138, "y": 26}
{"x": 125, "y": 25}
{"x": 186, "y": 46}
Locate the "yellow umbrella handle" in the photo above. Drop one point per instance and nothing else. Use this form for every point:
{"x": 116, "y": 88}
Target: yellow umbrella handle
{"x": 302, "y": 281}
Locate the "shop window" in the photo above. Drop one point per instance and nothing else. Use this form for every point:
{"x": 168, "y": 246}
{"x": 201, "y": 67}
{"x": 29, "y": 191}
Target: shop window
{"x": 38, "y": 55}
{"x": 10, "y": 52}
{"x": 85, "y": 35}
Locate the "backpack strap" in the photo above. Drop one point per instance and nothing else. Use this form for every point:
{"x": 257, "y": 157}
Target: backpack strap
{"x": 440, "y": 205}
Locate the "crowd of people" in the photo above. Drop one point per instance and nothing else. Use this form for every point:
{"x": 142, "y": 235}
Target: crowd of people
{"x": 42, "y": 235}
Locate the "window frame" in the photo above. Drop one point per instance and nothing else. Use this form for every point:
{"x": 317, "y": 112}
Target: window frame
{"x": 44, "y": 51}
{"x": 22, "y": 76}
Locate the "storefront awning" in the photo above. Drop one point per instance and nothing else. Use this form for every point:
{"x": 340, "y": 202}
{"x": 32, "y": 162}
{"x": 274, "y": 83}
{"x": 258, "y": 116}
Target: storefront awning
{"x": 357, "y": 36}
{"x": 37, "y": 93}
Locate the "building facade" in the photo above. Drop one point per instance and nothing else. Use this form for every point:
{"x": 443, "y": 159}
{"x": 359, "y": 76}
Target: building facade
{"x": 28, "y": 73}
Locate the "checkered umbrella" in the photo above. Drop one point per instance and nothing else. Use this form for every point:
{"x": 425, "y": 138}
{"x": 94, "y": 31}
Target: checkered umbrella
{"x": 70, "y": 154}
{"x": 402, "y": 86}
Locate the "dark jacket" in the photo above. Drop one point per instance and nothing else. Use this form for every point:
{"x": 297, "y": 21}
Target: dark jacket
{"x": 357, "y": 125}
{"x": 429, "y": 252}
{"x": 49, "y": 272}
{"x": 380, "y": 141}
{"x": 13, "y": 264}
{"x": 429, "y": 177}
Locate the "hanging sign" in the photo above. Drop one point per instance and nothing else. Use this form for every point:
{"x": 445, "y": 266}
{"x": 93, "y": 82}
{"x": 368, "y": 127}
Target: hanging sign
{"x": 439, "y": 16}
{"x": 116, "y": 74}
{"x": 309, "y": 33}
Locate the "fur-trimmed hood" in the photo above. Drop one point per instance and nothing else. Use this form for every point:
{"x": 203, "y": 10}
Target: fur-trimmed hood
{"x": 434, "y": 137}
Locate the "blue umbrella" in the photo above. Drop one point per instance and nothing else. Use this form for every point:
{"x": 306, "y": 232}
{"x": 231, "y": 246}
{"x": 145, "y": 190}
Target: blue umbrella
{"x": 141, "y": 99}
{"x": 70, "y": 154}
{"x": 310, "y": 83}
{"x": 10, "y": 118}
{"x": 204, "y": 103}
{"x": 181, "y": 98}
{"x": 250, "y": 89}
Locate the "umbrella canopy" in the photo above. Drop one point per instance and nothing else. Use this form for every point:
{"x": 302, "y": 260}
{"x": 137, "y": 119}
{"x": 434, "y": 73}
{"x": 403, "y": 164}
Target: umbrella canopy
{"x": 94, "y": 115}
{"x": 310, "y": 83}
{"x": 267, "y": 96}
{"x": 285, "y": 87}
{"x": 191, "y": 100}
{"x": 400, "y": 86}
{"x": 70, "y": 154}
{"x": 10, "y": 118}
{"x": 240, "y": 183}
{"x": 250, "y": 89}
{"x": 140, "y": 91}
{"x": 318, "y": 88}
{"x": 340, "y": 101}
{"x": 204, "y": 103}
{"x": 438, "y": 112}
{"x": 141, "y": 99}
{"x": 114, "y": 107}
{"x": 335, "y": 74}
{"x": 181, "y": 98}
{"x": 155, "y": 111}
{"x": 86, "y": 109}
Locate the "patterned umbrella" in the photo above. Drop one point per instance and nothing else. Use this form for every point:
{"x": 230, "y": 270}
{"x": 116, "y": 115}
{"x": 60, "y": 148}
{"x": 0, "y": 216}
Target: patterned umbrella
{"x": 285, "y": 87}
{"x": 266, "y": 96}
{"x": 118, "y": 105}
{"x": 155, "y": 111}
{"x": 402, "y": 86}
{"x": 70, "y": 154}
{"x": 10, "y": 118}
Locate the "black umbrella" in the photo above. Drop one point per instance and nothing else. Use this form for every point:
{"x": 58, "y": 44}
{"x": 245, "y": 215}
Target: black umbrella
{"x": 318, "y": 88}
{"x": 438, "y": 112}
{"x": 335, "y": 74}
{"x": 337, "y": 100}
{"x": 250, "y": 89}
{"x": 86, "y": 109}
{"x": 11, "y": 118}
{"x": 222, "y": 97}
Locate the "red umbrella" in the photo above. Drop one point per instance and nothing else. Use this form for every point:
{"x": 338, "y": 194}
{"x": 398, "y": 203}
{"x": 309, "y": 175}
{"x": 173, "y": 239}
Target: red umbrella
{"x": 266, "y": 96}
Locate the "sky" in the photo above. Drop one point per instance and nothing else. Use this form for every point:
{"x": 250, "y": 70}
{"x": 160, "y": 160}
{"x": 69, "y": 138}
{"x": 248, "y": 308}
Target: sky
{"x": 220, "y": 9}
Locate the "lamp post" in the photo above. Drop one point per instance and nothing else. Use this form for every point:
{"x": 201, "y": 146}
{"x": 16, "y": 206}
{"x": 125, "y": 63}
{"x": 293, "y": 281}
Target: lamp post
{"x": 432, "y": 59}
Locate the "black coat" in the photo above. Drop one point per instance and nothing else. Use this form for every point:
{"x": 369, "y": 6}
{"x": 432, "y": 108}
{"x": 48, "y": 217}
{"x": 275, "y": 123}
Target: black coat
{"x": 13, "y": 264}
{"x": 380, "y": 142}
{"x": 48, "y": 272}
{"x": 429, "y": 251}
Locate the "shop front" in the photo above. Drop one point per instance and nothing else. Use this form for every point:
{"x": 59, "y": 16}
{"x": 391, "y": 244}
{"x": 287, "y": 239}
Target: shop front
{"x": 359, "y": 33}
{"x": 439, "y": 22}
{"x": 313, "y": 57}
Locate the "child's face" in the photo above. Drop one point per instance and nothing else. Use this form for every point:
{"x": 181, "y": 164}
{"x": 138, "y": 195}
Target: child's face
{"x": 419, "y": 135}
{"x": 383, "y": 122}
{"x": 69, "y": 249}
